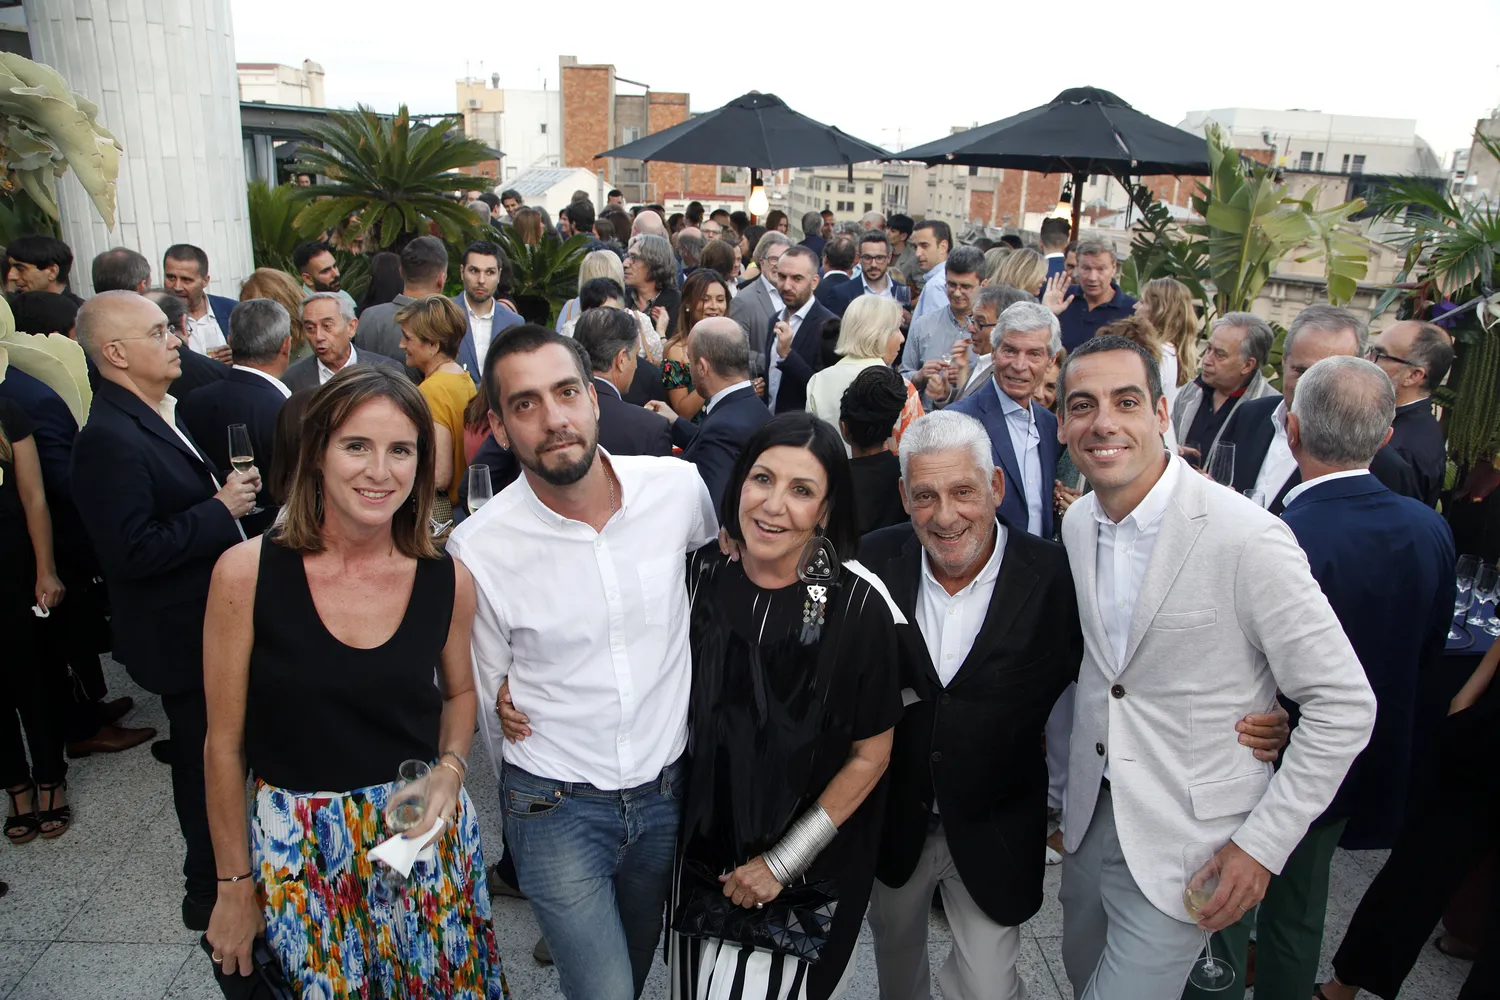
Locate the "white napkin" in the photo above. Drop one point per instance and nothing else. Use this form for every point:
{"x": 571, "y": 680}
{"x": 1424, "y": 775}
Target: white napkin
{"x": 401, "y": 853}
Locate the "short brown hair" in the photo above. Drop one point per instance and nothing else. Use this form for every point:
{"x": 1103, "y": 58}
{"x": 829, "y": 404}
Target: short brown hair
{"x": 327, "y": 410}
{"x": 1136, "y": 329}
{"x": 435, "y": 319}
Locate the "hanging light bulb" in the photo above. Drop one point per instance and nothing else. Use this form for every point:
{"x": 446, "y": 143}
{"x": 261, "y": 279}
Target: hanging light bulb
{"x": 1064, "y": 209}
{"x": 757, "y": 203}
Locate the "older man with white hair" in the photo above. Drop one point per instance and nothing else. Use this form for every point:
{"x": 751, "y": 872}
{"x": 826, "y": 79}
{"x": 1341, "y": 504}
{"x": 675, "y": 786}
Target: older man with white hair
{"x": 648, "y": 223}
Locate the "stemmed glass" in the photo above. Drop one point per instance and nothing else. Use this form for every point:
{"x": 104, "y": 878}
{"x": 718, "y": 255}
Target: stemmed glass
{"x": 405, "y": 808}
{"x": 1200, "y": 880}
{"x": 480, "y": 488}
{"x": 1486, "y": 585}
{"x": 1467, "y": 567}
{"x": 242, "y": 455}
{"x": 1220, "y": 467}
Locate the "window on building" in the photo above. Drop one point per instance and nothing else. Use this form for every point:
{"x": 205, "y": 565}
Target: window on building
{"x": 869, "y": 207}
{"x": 1358, "y": 166}
{"x": 973, "y": 171}
{"x": 845, "y": 206}
{"x": 632, "y": 133}
{"x": 869, "y": 189}
{"x": 544, "y": 128}
{"x": 1305, "y": 163}
{"x": 1345, "y": 168}
{"x": 827, "y": 205}
{"x": 1319, "y": 167}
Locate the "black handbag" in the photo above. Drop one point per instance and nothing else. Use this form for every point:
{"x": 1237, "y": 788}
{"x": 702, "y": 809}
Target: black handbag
{"x": 795, "y": 923}
{"x": 266, "y": 983}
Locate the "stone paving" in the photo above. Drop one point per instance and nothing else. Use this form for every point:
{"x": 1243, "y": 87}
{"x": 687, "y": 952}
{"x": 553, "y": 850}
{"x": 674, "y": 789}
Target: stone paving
{"x": 94, "y": 914}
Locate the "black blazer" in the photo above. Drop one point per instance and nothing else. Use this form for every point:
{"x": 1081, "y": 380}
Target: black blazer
{"x": 1251, "y": 432}
{"x": 976, "y": 745}
{"x": 242, "y": 398}
{"x": 828, "y": 288}
{"x": 805, "y": 358}
{"x": 646, "y": 385}
{"x": 714, "y": 444}
{"x": 197, "y": 371}
{"x": 1417, "y": 437}
{"x": 627, "y": 429}
{"x": 148, "y": 503}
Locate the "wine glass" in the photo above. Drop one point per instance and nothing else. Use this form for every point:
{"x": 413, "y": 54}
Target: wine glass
{"x": 1257, "y": 497}
{"x": 404, "y": 809}
{"x": 1486, "y": 585}
{"x": 1193, "y": 453}
{"x": 1220, "y": 467}
{"x": 242, "y": 455}
{"x": 1200, "y": 880}
{"x": 480, "y": 489}
{"x": 1463, "y": 595}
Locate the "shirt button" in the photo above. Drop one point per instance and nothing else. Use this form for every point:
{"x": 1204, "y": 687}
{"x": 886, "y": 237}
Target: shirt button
{"x": 1122, "y": 605}
{"x": 1118, "y": 691}
{"x": 1099, "y": 749}
{"x": 937, "y": 755}
{"x": 944, "y": 699}
{"x": 948, "y": 656}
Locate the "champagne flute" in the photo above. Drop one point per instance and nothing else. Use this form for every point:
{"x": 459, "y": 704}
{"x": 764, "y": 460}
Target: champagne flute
{"x": 242, "y": 455}
{"x": 1220, "y": 467}
{"x": 480, "y": 490}
{"x": 1200, "y": 880}
{"x": 1486, "y": 585}
{"x": 1466, "y": 568}
{"x": 1257, "y": 497}
{"x": 408, "y": 802}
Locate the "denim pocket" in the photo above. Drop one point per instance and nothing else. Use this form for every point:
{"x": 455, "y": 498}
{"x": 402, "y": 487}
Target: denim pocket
{"x": 523, "y": 802}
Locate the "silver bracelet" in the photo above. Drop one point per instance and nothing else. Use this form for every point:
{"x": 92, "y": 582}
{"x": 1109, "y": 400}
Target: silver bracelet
{"x": 795, "y": 853}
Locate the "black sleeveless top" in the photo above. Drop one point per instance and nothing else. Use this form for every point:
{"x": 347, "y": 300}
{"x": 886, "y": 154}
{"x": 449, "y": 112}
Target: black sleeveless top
{"x": 323, "y": 716}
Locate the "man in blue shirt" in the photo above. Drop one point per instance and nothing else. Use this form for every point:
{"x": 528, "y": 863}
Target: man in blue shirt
{"x": 1096, "y": 300}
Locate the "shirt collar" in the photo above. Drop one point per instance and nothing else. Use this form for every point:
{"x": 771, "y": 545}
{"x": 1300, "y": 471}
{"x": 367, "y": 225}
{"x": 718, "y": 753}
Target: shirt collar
{"x": 471, "y": 312}
{"x": 1154, "y": 504}
{"x": 269, "y": 378}
{"x": 714, "y": 399}
{"x": 806, "y": 308}
{"x": 1059, "y": 256}
{"x": 773, "y": 290}
{"x": 167, "y": 409}
{"x": 1301, "y": 488}
{"x": 553, "y": 518}
{"x": 601, "y": 380}
{"x": 1424, "y": 403}
{"x": 872, "y": 289}
{"x": 1008, "y": 405}
{"x": 1278, "y": 417}
{"x": 353, "y": 357}
{"x": 987, "y": 576}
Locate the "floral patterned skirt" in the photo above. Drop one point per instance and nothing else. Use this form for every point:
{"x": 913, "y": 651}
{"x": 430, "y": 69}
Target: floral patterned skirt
{"x": 343, "y": 926}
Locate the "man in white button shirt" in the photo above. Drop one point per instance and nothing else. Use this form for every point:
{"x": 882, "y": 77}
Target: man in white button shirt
{"x": 480, "y": 270}
{"x": 582, "y": 623}
{"x": 1196, "y": 607}
{"x": 185, "y": 274}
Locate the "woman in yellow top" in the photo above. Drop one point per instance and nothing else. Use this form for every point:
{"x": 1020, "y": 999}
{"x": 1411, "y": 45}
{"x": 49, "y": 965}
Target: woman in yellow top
{"x": 431, "y": 330}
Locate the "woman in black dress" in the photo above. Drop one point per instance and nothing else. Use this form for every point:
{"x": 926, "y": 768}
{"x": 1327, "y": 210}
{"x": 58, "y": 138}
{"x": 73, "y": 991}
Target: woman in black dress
{"x": 794, "y": 698}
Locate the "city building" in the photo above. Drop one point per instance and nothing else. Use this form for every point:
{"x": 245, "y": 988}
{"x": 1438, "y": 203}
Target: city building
{"x": 818, "y": 189}
{"x": 1480, "y": 178}
{"x": 525, "y": 126}
{"x": 288, "y": 86}
{"x": 552, "y": 187}
{"x": 1311, "y": 141}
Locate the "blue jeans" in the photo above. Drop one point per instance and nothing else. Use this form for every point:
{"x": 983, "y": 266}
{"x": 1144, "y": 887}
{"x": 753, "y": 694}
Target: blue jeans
{"x": 597, "y": 868}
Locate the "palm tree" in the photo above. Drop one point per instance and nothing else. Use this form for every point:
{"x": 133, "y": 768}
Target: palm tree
{"x": 395, "y": 180}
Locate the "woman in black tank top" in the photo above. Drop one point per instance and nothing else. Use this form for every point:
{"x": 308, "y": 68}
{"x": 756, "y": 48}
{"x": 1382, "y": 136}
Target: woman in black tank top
{"x": 335, "y": 649}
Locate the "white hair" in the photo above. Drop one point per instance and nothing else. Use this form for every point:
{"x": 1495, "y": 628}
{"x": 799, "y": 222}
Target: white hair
{"x": 1344, "y": 406}
{"x": 1024, "y": 317}
{"x": 947, "y": 430}
{"x": 345, "y": 309}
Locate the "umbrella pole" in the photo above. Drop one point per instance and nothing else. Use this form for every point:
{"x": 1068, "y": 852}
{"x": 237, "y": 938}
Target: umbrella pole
{"x": 1077, "y": 201}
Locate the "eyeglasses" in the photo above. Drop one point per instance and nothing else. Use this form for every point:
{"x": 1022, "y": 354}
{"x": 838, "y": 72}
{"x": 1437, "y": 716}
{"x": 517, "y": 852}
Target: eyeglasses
{"x": 159, "y": 334}
{"x": 981, "y": 325}
{"x": 879, "y": 258}
{"x": 1373, "y": 353}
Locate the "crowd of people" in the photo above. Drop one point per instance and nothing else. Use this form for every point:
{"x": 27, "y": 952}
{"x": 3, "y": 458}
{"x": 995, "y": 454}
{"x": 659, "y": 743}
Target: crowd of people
{"x": 786, "y": 582}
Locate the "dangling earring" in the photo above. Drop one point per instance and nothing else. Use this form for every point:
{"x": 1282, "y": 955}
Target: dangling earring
{"x": 816, "y": 569}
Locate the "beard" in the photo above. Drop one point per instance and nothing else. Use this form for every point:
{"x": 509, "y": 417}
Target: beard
{"x": 568, "y": 473}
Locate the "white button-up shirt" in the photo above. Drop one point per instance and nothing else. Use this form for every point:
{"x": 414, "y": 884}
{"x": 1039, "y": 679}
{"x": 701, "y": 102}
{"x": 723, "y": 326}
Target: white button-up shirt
{"x": 325, "y": 373}
{"x": 269, "y": 378}
{"x": 167, "y": 409}
{"x": 204, "y": 334}
{"x": 480, "y": 327}
{"x": 773, "y": 377}
{"x": 1302, "y": 488}
{"x": 950, "y": 622}
{"x": 590, "y": 628}
{"x": 1026, "y": 442}
{"x": 1279, "y": 463}
{"x": 934, "y": 292}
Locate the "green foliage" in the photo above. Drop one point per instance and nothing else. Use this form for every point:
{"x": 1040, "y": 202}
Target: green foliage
{"x": 21, "y": 216}
{"x": 1160, "y": 249}
{"x": 396, "y": 180}
{"x": 544, "y": 271}
{"x": 273, "y": 231}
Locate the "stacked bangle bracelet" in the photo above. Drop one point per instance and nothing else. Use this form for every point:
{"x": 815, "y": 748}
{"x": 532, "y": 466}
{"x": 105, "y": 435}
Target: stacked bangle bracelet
{"x": 796, "y": 852}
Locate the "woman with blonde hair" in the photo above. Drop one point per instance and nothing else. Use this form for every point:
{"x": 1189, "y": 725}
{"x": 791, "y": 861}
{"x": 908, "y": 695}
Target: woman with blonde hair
{"x": 870, "y": 335}
{"x": 432, "y": 328}
{"x": 1024, "y": 269}
{"x": 993, "y": 258}
{"x": 278, "y": 286}
{"x": 1167, "y": 305}
{"x": 606, "y": 264}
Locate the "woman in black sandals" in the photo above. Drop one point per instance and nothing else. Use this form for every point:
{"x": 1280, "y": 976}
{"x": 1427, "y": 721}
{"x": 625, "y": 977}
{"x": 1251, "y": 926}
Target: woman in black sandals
{"x": 28, "y": 580}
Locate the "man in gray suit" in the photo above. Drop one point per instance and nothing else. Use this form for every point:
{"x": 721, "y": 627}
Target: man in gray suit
{"x": 424, "y": 269}
{"x": 1196, "y": 607}
{"x": 758, "y": 303}
{"x": 329, "y": 323}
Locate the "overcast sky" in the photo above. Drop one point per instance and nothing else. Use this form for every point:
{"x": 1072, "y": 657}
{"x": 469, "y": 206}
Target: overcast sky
{"x": 1376, "y": 58}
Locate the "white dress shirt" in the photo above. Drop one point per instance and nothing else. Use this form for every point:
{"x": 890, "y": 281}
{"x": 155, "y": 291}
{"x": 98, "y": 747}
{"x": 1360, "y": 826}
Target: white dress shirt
{"x": 204, "y": 334}
{"x": 325, "y": 373}
{"x": 1302, "y": 488}
{"x": 709, "y": 406}
{"x": 269, "y": 378}
{"x": 590, "y": 628}
{"x": 1279, "y": 463}
{"x": 167, "y": 408}
{"x": 773, "y": 377}
{"x": 480, "y": 327}
{"x": 934, "y": 292}
{"x": 950, "y": 622}
{"x": 888, "y": 288}
{"x": 1026, "y": 442}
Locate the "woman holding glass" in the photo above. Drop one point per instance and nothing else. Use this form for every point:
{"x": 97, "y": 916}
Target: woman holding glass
{"x": 705, "y": 294}
{"x": 321, "y": 643}
{"x": 432, "y": 328}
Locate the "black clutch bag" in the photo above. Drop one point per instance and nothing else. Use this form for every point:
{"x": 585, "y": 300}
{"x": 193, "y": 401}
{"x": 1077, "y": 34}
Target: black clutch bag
{"x": 265, "y": 983}
{"x": 795, "y": 923}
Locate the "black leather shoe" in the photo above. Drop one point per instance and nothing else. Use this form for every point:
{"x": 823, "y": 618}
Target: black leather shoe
{"x": 162, "y": 751}
{"x": 196, "y": 911}
{"x": 499, "y": 886}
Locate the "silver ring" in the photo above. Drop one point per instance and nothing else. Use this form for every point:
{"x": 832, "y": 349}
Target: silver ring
{"x": 760, "y": 906}
{"x": 217, "y": 959}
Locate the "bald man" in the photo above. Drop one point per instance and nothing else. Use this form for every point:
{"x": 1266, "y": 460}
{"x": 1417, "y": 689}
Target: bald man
{"x": 719, "y": 355}
{"x": 159, "y": 516}
{"x": 649, "y": 223}
{"x": 1417, "y": 357}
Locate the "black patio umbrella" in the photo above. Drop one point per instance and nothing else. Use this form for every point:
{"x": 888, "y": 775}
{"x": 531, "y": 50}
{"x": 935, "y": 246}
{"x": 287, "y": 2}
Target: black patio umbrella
{"x": 1083, "y": 131}
{"x": 757, "y": 131}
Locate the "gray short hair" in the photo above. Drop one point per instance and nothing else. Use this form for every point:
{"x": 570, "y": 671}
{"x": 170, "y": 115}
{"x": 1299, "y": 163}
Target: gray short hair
{"x": 947, "y": 430}
{"x": 345, "y": 309}
{"x": 721, "y": 342}
{"x": 1344, "y": 406}
{"x": 1023, "y": 317}
{"x": 1098, "y": 244}
{"x": 874, "y": 217}
{"x": 848, "y": 229}
{"x": 656, "y": 253}
{"x": 1329, "y": 319}
{"x": 257, "y": 329}
{"x": 120, "y": 269}
{"x": 1002, "y": 297}
{"x": 690, "y": 249}
{"x": 1258, "y": 335}
{"x": 767, "y": 241}
{"x": 812, "y": 224}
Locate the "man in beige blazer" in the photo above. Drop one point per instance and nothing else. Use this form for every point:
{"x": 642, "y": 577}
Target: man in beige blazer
{"x": 1196, "y": 607}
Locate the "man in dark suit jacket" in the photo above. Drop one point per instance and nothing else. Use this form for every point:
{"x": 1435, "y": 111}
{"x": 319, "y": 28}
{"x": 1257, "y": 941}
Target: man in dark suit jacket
{"x": 1417, "y": 357}
{"x": 159, "y": 519}
{"x": 794, "y": 342}
{"x": 609, "y": 337}
{"x": 480, "y": 270}
{"x": 260, "y": 332}
{"x": 1055, "y": 234}
{"x": 839, "y": 255}
{"x": 1386, "y": 565}
{"x": 720, "y": 360}
{"x": 872, "y": 279}
{"x": 329, "y": 324}
{"x": 812, "y": 233}
{"x": 1026, "y": 338}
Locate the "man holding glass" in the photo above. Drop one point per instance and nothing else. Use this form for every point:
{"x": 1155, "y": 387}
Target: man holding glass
{"x": 1196, "y": 606}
